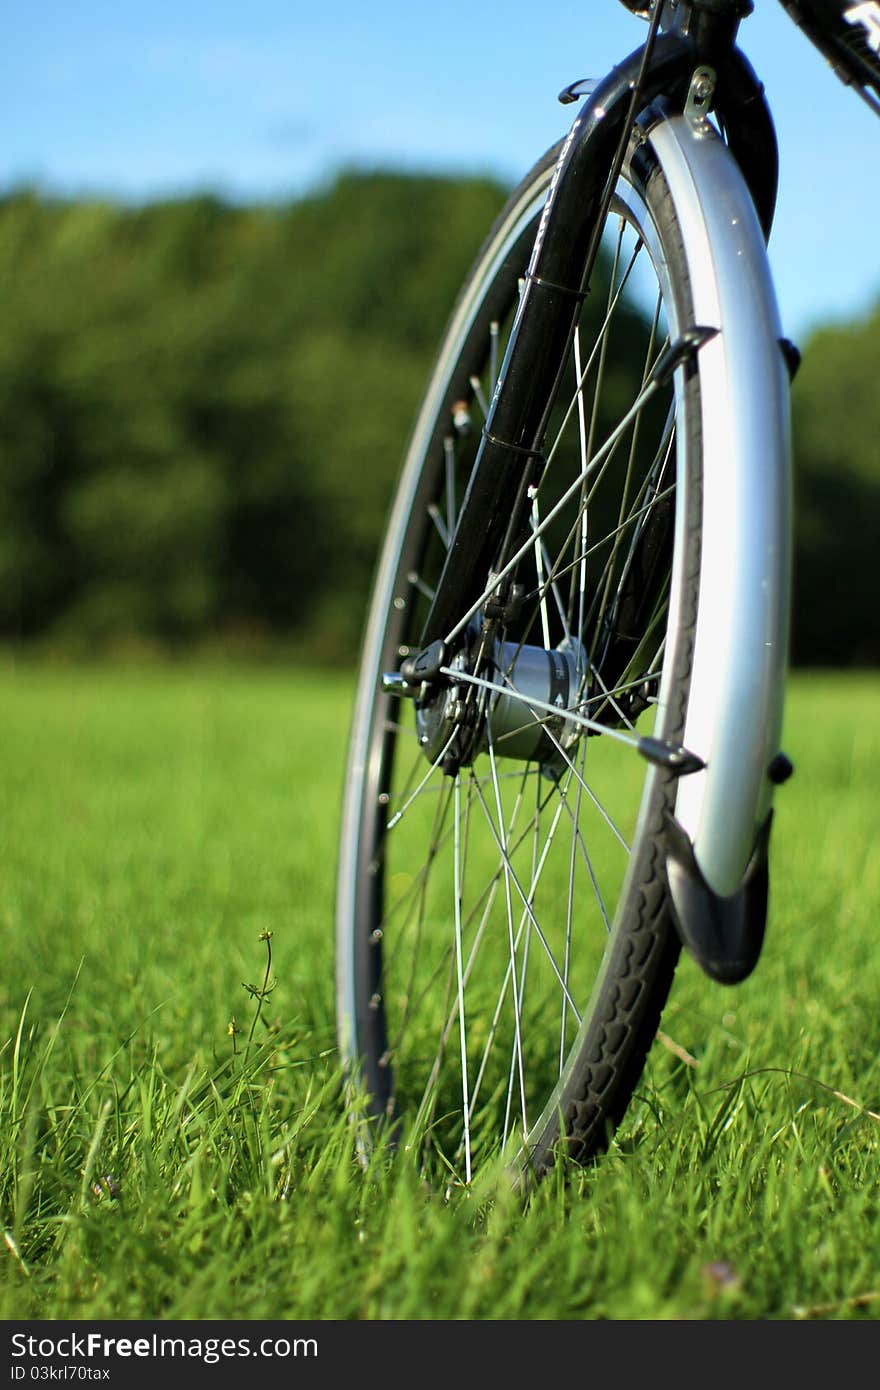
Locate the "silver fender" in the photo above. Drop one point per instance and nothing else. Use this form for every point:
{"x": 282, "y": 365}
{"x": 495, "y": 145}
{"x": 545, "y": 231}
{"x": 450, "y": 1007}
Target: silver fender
{"x": 741, "y": 643}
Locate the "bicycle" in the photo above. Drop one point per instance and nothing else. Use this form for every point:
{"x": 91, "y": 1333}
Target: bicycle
{"x": 565, "y": 743}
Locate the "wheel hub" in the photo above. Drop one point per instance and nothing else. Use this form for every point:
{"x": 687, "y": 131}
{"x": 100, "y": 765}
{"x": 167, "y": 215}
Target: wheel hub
{"x": 485, "y": 701}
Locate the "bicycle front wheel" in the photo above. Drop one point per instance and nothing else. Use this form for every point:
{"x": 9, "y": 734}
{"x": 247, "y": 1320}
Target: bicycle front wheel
{"x": 504, "y": 941}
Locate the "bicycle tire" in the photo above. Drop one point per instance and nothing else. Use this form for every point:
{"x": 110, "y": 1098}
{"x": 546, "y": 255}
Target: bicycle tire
{"x": 613, "y": 994}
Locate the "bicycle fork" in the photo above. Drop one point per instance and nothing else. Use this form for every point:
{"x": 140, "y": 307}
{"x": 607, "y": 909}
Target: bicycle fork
{"x": 717, "y": 839}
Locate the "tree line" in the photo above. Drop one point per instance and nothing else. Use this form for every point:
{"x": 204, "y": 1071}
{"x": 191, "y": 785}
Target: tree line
{"x": 203, "y": 408}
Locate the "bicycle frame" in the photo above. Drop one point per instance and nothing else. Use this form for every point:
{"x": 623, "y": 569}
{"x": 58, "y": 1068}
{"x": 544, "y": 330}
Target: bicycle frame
{"x": 847, "y": 32}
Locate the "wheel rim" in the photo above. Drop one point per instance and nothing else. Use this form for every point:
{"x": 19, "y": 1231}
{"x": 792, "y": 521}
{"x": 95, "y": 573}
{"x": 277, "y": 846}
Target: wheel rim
{"x": 485, "y": 900}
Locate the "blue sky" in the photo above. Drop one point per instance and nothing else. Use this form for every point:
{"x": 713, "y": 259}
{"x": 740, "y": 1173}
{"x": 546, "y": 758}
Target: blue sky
{"x": 265, "y": 99}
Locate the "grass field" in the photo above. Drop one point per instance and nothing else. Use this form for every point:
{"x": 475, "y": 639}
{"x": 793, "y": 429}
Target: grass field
{"x": 158, "y": 1160}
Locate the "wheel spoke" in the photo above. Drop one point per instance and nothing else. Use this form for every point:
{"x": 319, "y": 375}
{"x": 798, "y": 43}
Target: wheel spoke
{"x": 442, "y": 529}
{"x": 598, "y": 458}
{"x": 460, "y": 980}
{"x": 493, "y": 354}
{"x": 486, "y": 901}
{"x": 509, "y": 878}
{"x": 449, "y": 473}
{"x": 398, "y": 815}
{"x": 512, "y": 879}
{"x": 600, "y": 339}
{"x": 581, "y": 527}
{"x": 557, "y": 572}
{"x": 524, "y": 923}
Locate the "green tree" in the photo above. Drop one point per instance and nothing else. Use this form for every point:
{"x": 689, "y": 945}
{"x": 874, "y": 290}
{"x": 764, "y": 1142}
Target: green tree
{"x": 204, "y": 407}
{"x": 836, "y": 433}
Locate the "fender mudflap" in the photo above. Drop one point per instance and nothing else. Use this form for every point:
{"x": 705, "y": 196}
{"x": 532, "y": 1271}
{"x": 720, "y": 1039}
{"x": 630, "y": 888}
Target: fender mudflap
{"x": 723, "y": 934}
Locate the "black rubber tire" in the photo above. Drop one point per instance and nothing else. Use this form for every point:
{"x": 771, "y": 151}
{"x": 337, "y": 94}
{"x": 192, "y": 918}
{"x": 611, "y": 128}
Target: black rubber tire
{"x": 628, "y": 985}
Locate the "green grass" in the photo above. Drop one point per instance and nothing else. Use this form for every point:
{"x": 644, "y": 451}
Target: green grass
{"x": 155, "y": 825}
